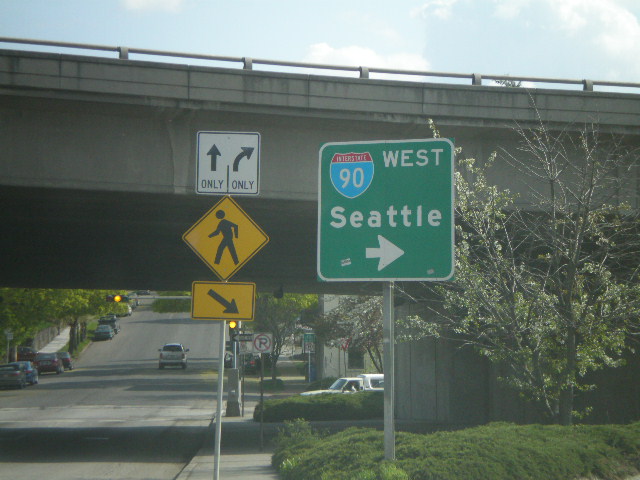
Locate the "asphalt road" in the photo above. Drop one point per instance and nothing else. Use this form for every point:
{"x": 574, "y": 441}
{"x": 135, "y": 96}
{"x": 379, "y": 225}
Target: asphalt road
{"x": 116, "y": 415}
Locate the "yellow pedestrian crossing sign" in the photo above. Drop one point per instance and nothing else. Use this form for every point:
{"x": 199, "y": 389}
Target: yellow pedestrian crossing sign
{"x": 223, "y": 301}
{"x": 225, "y": 238}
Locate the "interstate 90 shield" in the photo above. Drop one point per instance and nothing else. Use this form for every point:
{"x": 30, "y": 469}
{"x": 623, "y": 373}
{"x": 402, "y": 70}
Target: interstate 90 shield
{"x": 351, "y": 173}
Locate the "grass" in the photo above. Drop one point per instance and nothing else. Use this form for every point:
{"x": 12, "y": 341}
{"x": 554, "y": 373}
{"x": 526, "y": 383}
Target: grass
{"x": 498, "y": 451}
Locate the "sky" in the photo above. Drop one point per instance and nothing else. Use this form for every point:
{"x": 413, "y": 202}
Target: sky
{"x": 569, "y": 39}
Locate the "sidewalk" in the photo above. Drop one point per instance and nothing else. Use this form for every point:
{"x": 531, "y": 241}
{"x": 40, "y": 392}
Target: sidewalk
{"x": 240, "y": 455}
{"x": 58, "y": 342}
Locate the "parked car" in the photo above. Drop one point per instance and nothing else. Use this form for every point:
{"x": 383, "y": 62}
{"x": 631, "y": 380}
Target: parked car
{"x": 127, "y": 313}
{"x": 173, "y": 354}
{"x": 363, "y": 382}
{"x": 13, "y": 375}
{"x": 26, "y": 354}
{"x": 67, "y": 361}
{"x": 31, "y": 372}
{"x": 49, "y": 362}
{"x": 251, "y": 363}
{"x": 103, "y": 332}
{"x": 112, "y": 321}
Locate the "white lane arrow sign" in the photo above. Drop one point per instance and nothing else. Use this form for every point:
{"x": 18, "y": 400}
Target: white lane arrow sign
{"x": 387, "y": 252}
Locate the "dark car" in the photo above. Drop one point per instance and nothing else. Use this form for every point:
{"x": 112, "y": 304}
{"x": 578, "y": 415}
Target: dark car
{"x": 112, "y": 321}
{"x": 67, "y": 361}
{"x": 251, "y": 363}
{"x": 49, "y": 362}
{"x": 13, "y": 375}
{"x": 31, "y": 372}
{"x": 26, "y": 354}
{"x": 103, "y": 332}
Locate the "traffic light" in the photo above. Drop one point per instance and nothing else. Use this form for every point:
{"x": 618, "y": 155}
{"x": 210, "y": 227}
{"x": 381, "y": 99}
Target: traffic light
{"x": 234, "y": 330}
{"x": 117, "y": 298}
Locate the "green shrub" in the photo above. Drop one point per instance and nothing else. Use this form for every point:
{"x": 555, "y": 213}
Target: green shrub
{"x": 356, "y": 406}
{"x": 498, "y": 451}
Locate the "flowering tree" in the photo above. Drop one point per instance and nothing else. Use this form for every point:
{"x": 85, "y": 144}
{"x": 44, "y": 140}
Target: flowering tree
{"x": 552, "y": 290}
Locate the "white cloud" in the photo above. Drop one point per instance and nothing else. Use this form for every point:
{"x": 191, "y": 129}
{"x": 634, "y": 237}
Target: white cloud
{"x": 356, "y": 56}
{"x": 162, "y": 5}
{"x": 610, "y": 27}
{"x": 509, "y": 9}
{"x": 438, "y": 8}
{"x": 606, "y": 29}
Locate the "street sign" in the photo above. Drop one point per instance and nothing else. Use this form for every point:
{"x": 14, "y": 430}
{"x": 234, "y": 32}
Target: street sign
{"x": 228, "y": 163}
{"x": 223, "y": 301}
{"x": 262, "y": 343}
{"x": 385, "y": 210}
{"x": 245, "y": 343}
{"x": 309, "y": 342}
{"x": 245, "y": 337}
{"x": 225, "y": 238}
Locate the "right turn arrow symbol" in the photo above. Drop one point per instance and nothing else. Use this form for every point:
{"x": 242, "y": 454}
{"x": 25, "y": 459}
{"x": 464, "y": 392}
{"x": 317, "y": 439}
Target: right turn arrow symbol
{"x": 387, "y": 252}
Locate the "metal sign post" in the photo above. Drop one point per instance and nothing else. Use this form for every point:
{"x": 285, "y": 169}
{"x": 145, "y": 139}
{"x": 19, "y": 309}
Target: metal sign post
{"x": 261, "y": 402}
{"x": 385, "y": 213}
{"x": 216, "y": 467}
{"x": 225, "y": 238}
{"x": 389, "y": 370}
{"x": 308, "y": 340}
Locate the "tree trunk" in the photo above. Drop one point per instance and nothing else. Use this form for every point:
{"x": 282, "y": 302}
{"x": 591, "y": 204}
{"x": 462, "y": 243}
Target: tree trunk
{"x": 73, "y": 337}
{"x": 566, "y": 393}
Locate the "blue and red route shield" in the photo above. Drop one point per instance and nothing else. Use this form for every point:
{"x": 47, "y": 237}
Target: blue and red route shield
{"x": 351, "y": 173}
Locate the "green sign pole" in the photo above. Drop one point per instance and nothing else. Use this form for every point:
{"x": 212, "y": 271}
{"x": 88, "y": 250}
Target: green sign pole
{"x": 385, "y": 211}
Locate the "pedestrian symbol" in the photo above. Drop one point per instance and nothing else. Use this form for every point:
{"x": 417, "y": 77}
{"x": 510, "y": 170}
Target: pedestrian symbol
{"x": 229, "y": 231}
{"x": 225, "y": 238}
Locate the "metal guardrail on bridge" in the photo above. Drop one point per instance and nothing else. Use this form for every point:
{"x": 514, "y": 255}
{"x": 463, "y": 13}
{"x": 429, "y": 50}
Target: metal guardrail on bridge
{"x": 364, "y": 72}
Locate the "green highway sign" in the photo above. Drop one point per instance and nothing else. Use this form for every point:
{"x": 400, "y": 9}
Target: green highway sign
{"x": 385, "y": 210}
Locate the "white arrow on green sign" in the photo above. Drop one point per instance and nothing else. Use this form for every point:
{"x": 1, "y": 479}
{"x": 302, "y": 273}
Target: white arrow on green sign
{"x": 385, "y": 210}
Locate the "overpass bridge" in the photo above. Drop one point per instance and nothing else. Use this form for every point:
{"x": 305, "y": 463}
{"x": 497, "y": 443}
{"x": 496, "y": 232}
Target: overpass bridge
{"x": 98, "y": 154}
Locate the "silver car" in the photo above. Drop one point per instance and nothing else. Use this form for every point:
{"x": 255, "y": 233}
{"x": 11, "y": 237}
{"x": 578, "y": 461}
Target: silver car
{"x": 173, "y": 354}
{"x": 13, "y": 375}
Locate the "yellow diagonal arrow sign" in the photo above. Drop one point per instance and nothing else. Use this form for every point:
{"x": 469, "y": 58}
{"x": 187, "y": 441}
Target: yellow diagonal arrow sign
{"x": 223, "y": 301}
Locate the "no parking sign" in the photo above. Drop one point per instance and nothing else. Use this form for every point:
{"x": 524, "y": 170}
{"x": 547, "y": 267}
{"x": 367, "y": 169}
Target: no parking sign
{"x": 262, "y": 343}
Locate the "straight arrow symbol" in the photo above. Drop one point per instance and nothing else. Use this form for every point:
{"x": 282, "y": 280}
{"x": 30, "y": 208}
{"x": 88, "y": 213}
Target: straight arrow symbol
{"x": 214, "y": 153}
{"x": 230, "y": 307}
{"x": 386, "y": 251}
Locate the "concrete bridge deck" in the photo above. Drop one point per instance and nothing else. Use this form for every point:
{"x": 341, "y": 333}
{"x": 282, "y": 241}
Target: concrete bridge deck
{"x": 98, "y": 158}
